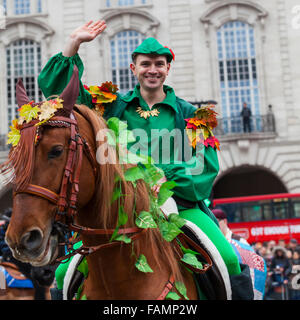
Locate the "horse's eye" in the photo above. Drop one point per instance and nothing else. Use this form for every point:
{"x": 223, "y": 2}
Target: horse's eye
{"x": 55, "y": 152}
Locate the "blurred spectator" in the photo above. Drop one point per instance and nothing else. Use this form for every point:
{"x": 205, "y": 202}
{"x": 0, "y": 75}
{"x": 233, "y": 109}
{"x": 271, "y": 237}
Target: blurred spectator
{"x": 271, "y": 244}
{"x": 246, "y": 255}
{"x": 257, "y": 246}
{"x": 294, "y": 276}
{"x": 280, "y": 268}
{"x": 292, "y": 245}
{"x": 222, "y": 219}
{"x": 281, "y": 243}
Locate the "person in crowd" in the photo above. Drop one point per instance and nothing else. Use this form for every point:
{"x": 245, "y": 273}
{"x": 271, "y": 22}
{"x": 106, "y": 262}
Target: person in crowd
{"x": 246, "y": 254}
{"x": 223, "y": 223}
{"x": 246, "y": 115}
{"x": 292, "y": 245}
{"x": 280, "y": 268}
{"x": 294, "y": 276}
{"x": 281, "y": 243}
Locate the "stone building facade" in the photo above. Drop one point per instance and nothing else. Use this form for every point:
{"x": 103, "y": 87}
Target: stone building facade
{"x": 231, "y": 51}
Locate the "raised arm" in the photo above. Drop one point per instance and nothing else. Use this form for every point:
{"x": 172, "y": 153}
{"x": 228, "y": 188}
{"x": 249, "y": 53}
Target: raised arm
{"x": 85, "y": 33}
{"x": 57, "y": 72}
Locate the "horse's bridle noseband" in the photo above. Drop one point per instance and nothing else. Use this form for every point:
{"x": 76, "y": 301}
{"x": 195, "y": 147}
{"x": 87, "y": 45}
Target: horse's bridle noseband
{"x": 66, "y": 200}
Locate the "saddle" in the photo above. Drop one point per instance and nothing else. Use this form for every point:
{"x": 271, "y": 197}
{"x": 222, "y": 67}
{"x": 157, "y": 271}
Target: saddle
{"x": 11, "y": 277}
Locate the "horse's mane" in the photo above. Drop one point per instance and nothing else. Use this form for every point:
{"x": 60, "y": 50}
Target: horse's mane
{"x": 19, "y": 165}
{"x": 134, "y": 196}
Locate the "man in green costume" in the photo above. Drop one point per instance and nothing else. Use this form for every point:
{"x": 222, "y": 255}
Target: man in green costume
{"x": 151, "y": 106}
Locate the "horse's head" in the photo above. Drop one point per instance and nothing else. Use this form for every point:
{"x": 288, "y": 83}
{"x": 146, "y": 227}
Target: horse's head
{"x": 39, "y": 161}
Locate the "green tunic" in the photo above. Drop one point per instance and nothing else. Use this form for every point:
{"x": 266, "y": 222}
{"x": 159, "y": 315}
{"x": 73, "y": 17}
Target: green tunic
{"x": 203, "y": 163}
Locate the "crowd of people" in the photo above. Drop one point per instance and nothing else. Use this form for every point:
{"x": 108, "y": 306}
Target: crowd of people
{"x": 283, "y": 268}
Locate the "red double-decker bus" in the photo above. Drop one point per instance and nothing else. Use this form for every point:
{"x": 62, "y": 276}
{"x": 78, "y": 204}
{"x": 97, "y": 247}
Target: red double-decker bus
{"x": 264, "y": 217}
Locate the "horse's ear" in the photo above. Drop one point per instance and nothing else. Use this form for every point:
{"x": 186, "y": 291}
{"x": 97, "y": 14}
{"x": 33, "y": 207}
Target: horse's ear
{"x": 21, "y": 94}
{"x": 71, "y": 92}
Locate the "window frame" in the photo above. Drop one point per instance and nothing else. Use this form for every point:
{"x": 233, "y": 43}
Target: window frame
{"x": 129, "y": 81}
{"x": 22, "y": 48}
{"x": 237, "y": 68}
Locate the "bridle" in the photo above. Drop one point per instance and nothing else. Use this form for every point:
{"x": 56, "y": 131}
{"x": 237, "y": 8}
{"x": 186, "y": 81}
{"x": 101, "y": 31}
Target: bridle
{"x": 66, "y": 200}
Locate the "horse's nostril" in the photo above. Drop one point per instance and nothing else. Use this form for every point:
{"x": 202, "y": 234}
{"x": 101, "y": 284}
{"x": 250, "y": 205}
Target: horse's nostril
{"x": 32, "y": 240}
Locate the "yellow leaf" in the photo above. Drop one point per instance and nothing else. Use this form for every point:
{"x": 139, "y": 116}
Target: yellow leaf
{"x": 13, "y": 136}
{"x": 47, "y": 110}
{"x": 28, "y": 112}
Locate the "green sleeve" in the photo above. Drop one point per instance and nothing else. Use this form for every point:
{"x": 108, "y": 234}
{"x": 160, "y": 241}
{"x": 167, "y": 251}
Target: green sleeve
{"x": 56, "y": 75}
{"x": 195, "y": 177}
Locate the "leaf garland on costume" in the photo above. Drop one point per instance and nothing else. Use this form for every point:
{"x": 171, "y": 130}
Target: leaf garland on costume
{"x": 106, "y": 93}
{"x": 199, "y": 129}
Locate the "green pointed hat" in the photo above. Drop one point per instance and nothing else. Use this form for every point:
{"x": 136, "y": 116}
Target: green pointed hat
{"x": 152, "y": 46}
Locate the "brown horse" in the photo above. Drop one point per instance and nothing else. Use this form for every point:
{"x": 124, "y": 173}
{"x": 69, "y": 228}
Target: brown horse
{"x": 42, "y": 162}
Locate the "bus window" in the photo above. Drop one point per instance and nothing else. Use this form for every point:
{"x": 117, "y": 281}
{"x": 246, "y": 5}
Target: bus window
{"x": 280, "y": 209}
{"x": 252, "y": 211}
{"x": 267, "y": 211}
{"x": 297, "y": 209}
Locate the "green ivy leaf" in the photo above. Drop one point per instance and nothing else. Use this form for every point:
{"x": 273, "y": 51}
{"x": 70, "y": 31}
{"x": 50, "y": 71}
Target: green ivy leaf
{"x": 123, "y": 238}
{"x": 83, "y": 297}
{"x": 181, "y": 289}
{"x": 115, "y": 234}
{"x": 169, "y": 185}
{"x": 145, "y": 220}
{"x": 165, "y": 192}
{"x": 152, "y": 174}
{"x": 133, "y": 174}
{"x": 176, "y": 219}
{"x": 163, "y": 195}
{"x": 169, "y": 231}
{"x": 172, "y": 296}
{"x": 191, "y": 259}
{"x": 142, "y": 264}
{"x": 185, "y": 250}
{"x": 116, "y": 194}
{"x": 116, "y": 125}
{"x": 123, "y": 217}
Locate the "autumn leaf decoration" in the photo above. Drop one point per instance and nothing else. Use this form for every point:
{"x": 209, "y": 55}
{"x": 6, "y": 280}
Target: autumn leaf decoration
{"x": 199, "y": 129}
{"x": 29, "y": 112}
{"x": 105, "y": 93}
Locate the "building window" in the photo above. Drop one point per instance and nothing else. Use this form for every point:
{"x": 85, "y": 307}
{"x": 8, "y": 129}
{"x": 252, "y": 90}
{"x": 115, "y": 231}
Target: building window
{"x": 22, "y": 6}
{"x": 23, "y": 60}
{"x": 122, "y": 45}
{"x": 4, "y": 4}
{"x": 39, "y": 6}
{"x": 238, "y": 72}
{"x": 126, "y": 2}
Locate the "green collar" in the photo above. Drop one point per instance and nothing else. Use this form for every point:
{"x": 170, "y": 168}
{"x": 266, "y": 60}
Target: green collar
{"x": 169, "y": 100}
